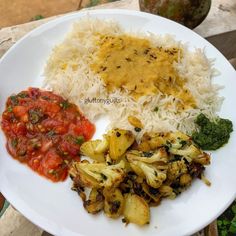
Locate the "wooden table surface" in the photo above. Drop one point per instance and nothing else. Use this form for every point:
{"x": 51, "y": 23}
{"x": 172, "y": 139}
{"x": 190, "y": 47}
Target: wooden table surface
{"x": 219, "y": 27}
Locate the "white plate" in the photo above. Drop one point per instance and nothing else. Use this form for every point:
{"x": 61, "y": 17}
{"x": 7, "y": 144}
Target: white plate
{"x": 56, "y": 208}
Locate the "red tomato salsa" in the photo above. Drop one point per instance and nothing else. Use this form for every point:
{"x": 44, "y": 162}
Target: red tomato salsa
{"x": 45, "y": 131}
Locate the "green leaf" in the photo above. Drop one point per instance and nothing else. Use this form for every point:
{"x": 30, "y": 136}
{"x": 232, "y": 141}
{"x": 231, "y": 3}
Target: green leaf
{"x": 51, "y": 133}
{"x": 79, "y": 139}
{"x": 234, "y": 209}
{"x": 183, "y": 142}
{"x": 22, "y": 95}
{"x": 35, "y": 115}
{"x": 14, "y": 100}
{"x": 14, "y": 142}
{"x": 224, "y": 233}
{"x": 156, "y": 109}
{"x": 226, "y": 222}
{"x": 137, "y": 129}
{"x": 232, "y": 227}
{"x": 219, "y": 222}
{"x": 9, "y": 109}
{"x": 65, "y": 104}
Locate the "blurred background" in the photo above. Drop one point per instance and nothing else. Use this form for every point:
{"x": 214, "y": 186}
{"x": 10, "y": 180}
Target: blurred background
{"x": 13, "y": 12}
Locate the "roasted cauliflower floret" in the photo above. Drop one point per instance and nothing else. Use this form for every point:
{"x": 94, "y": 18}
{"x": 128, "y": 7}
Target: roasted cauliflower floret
{"x": 148, "y": 157}
{"x": 185, "y": 180}
{"x": 203, "y": 159}
{"x": 154, "y": 176}
{"x": 177, "y": 135}
{"x": 176, "y": 169}
{"x": 192, "y": 153}
{"x": 95, "y": 149}
{"x": 100, "y": 175}
{"x": 103, "y": 145}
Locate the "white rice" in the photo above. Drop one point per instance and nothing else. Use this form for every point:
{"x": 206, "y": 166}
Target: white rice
{"x": 68, "y": 73}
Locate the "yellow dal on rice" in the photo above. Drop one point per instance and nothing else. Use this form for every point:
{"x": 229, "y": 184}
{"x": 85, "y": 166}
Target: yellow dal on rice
{"x": 133, "y": 64}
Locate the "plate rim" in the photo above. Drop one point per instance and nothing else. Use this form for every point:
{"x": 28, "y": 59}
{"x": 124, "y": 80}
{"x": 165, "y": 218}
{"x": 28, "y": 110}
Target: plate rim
{"x": 26, "y": 210}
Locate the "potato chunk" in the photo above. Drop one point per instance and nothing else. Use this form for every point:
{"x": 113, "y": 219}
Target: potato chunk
{"x": 136, "y": 210}
{"x": 95, "y": 203}
{"x": 114, "y": 202}
{"x": 120, "y": 140}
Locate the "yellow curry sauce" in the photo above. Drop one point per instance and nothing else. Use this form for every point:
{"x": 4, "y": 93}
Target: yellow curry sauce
{"x": 133, "y": 64}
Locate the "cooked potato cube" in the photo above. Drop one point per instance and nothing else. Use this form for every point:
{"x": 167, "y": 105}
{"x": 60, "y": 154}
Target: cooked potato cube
{"x": 120, "y": 140}
{"x": 136, "y": 210}
{"x": 114, "y": 202}
{"x": 95, "y": 203}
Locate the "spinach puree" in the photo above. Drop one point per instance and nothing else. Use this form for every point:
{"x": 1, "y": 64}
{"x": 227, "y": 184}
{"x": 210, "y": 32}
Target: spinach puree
{"x": 212, "y": 135}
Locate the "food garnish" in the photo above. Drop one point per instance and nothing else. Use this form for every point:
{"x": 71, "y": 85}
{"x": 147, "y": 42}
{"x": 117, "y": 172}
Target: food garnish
{"x": 127, "y": 178}
{"x": 44, "y": 131}
{"x": 212, "y": 135}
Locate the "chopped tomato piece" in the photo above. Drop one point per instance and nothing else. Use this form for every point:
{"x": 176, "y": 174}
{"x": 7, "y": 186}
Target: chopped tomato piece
{"x": 21, "y": 112}
{"x": 84, "y": 127}
{"x": 35, "y": 162}
{"x": 51, "y": 161}
{"x": 52, "y": 109}
{"x": 18, "y": 128}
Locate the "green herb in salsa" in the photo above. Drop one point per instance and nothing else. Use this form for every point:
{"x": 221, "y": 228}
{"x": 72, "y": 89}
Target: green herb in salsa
{"x": 212, "y": 135}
